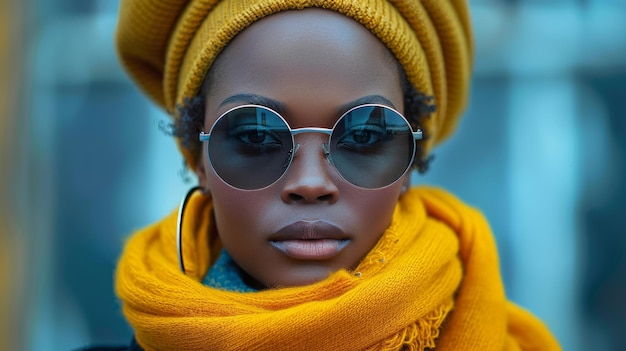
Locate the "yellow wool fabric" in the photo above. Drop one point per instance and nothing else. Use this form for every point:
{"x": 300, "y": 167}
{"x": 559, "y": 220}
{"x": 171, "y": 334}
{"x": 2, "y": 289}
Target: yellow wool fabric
{"x": 431, "y": 281}
{"x": 167, "y": 46}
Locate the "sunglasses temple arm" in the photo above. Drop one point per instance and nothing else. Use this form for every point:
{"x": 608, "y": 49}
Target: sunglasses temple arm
{"x": 418, "y": 135}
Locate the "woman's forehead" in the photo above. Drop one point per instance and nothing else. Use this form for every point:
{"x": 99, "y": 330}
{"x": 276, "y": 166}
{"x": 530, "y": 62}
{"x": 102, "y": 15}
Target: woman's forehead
{"x": 310, "y": 55}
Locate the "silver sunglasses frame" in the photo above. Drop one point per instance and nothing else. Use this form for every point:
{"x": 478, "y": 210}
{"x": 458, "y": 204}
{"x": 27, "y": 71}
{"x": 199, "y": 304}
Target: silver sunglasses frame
{"x": 205, "y": 137}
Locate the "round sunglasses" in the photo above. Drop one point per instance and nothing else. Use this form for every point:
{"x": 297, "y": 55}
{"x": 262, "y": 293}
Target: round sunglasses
{"x": 251, "y": 147}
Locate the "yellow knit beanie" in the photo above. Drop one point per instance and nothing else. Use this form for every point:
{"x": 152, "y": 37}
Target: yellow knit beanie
{"x": 167, "y": 46}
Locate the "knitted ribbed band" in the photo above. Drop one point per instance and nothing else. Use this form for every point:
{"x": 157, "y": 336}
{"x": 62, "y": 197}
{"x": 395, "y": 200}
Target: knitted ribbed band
{"x": 168, "y": 46}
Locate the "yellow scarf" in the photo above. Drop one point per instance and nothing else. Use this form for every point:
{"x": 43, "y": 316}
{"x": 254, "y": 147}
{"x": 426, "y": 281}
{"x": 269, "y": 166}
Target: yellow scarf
{"x": 431, "y": 280}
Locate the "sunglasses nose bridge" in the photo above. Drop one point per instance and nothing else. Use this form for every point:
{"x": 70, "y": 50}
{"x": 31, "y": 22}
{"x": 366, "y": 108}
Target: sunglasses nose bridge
{"x": 326, "y": 131}
{"x": 310, "y": 178}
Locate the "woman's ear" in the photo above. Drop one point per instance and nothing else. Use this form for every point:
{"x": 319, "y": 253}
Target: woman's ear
{"x": 201, "y": 173}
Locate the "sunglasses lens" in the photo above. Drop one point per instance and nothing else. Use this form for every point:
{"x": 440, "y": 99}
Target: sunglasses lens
{"x": 250, "y": 147}
{"x": 372, "y": 146}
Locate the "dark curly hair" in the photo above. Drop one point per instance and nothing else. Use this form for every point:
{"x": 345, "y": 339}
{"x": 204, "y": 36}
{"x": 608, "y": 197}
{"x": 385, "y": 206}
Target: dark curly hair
{"x": 417, "y": 106}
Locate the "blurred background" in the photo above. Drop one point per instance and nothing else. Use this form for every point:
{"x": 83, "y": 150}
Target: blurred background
{"x": 541, "y": 150}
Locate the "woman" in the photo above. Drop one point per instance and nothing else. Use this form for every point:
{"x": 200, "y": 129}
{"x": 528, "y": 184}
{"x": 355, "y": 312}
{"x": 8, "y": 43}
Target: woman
{"x": 302, "y": 121}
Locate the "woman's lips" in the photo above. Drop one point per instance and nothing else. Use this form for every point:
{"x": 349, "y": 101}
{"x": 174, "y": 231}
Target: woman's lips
{"x": 310, "y": 240}
{"x": 318, "y": 249}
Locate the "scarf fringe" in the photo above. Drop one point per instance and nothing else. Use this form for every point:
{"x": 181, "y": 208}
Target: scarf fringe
{"x": 417, "y": 336}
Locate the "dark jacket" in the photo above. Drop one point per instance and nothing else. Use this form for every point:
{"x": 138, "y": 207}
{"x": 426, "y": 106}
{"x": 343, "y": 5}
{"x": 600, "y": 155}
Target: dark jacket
{"x": 132, "y": 347}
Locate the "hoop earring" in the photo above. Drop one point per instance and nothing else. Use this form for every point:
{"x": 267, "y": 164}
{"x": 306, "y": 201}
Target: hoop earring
{"x": 179, "y": 226}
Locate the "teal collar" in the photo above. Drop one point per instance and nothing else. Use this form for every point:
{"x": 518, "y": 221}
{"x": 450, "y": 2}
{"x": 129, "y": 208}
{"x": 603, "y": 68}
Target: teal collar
{"x": 225, "y": 274}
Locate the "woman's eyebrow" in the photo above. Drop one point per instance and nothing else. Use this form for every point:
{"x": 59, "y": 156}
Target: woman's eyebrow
{"x": 255, "y": 99}
{"x": 279, "y": 107}
{"x": 369, "y": 99}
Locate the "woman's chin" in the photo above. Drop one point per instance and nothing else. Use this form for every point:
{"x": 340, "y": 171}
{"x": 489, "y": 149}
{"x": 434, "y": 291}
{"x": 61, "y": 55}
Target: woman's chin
{"x": 300, "y": 278}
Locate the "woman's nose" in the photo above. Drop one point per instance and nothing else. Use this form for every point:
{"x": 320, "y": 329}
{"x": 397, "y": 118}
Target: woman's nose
{"x": 309, "y": 178}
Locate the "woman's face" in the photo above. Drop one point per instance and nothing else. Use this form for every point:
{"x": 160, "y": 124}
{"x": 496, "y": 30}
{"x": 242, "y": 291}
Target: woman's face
{"x": 310, "y": 223}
